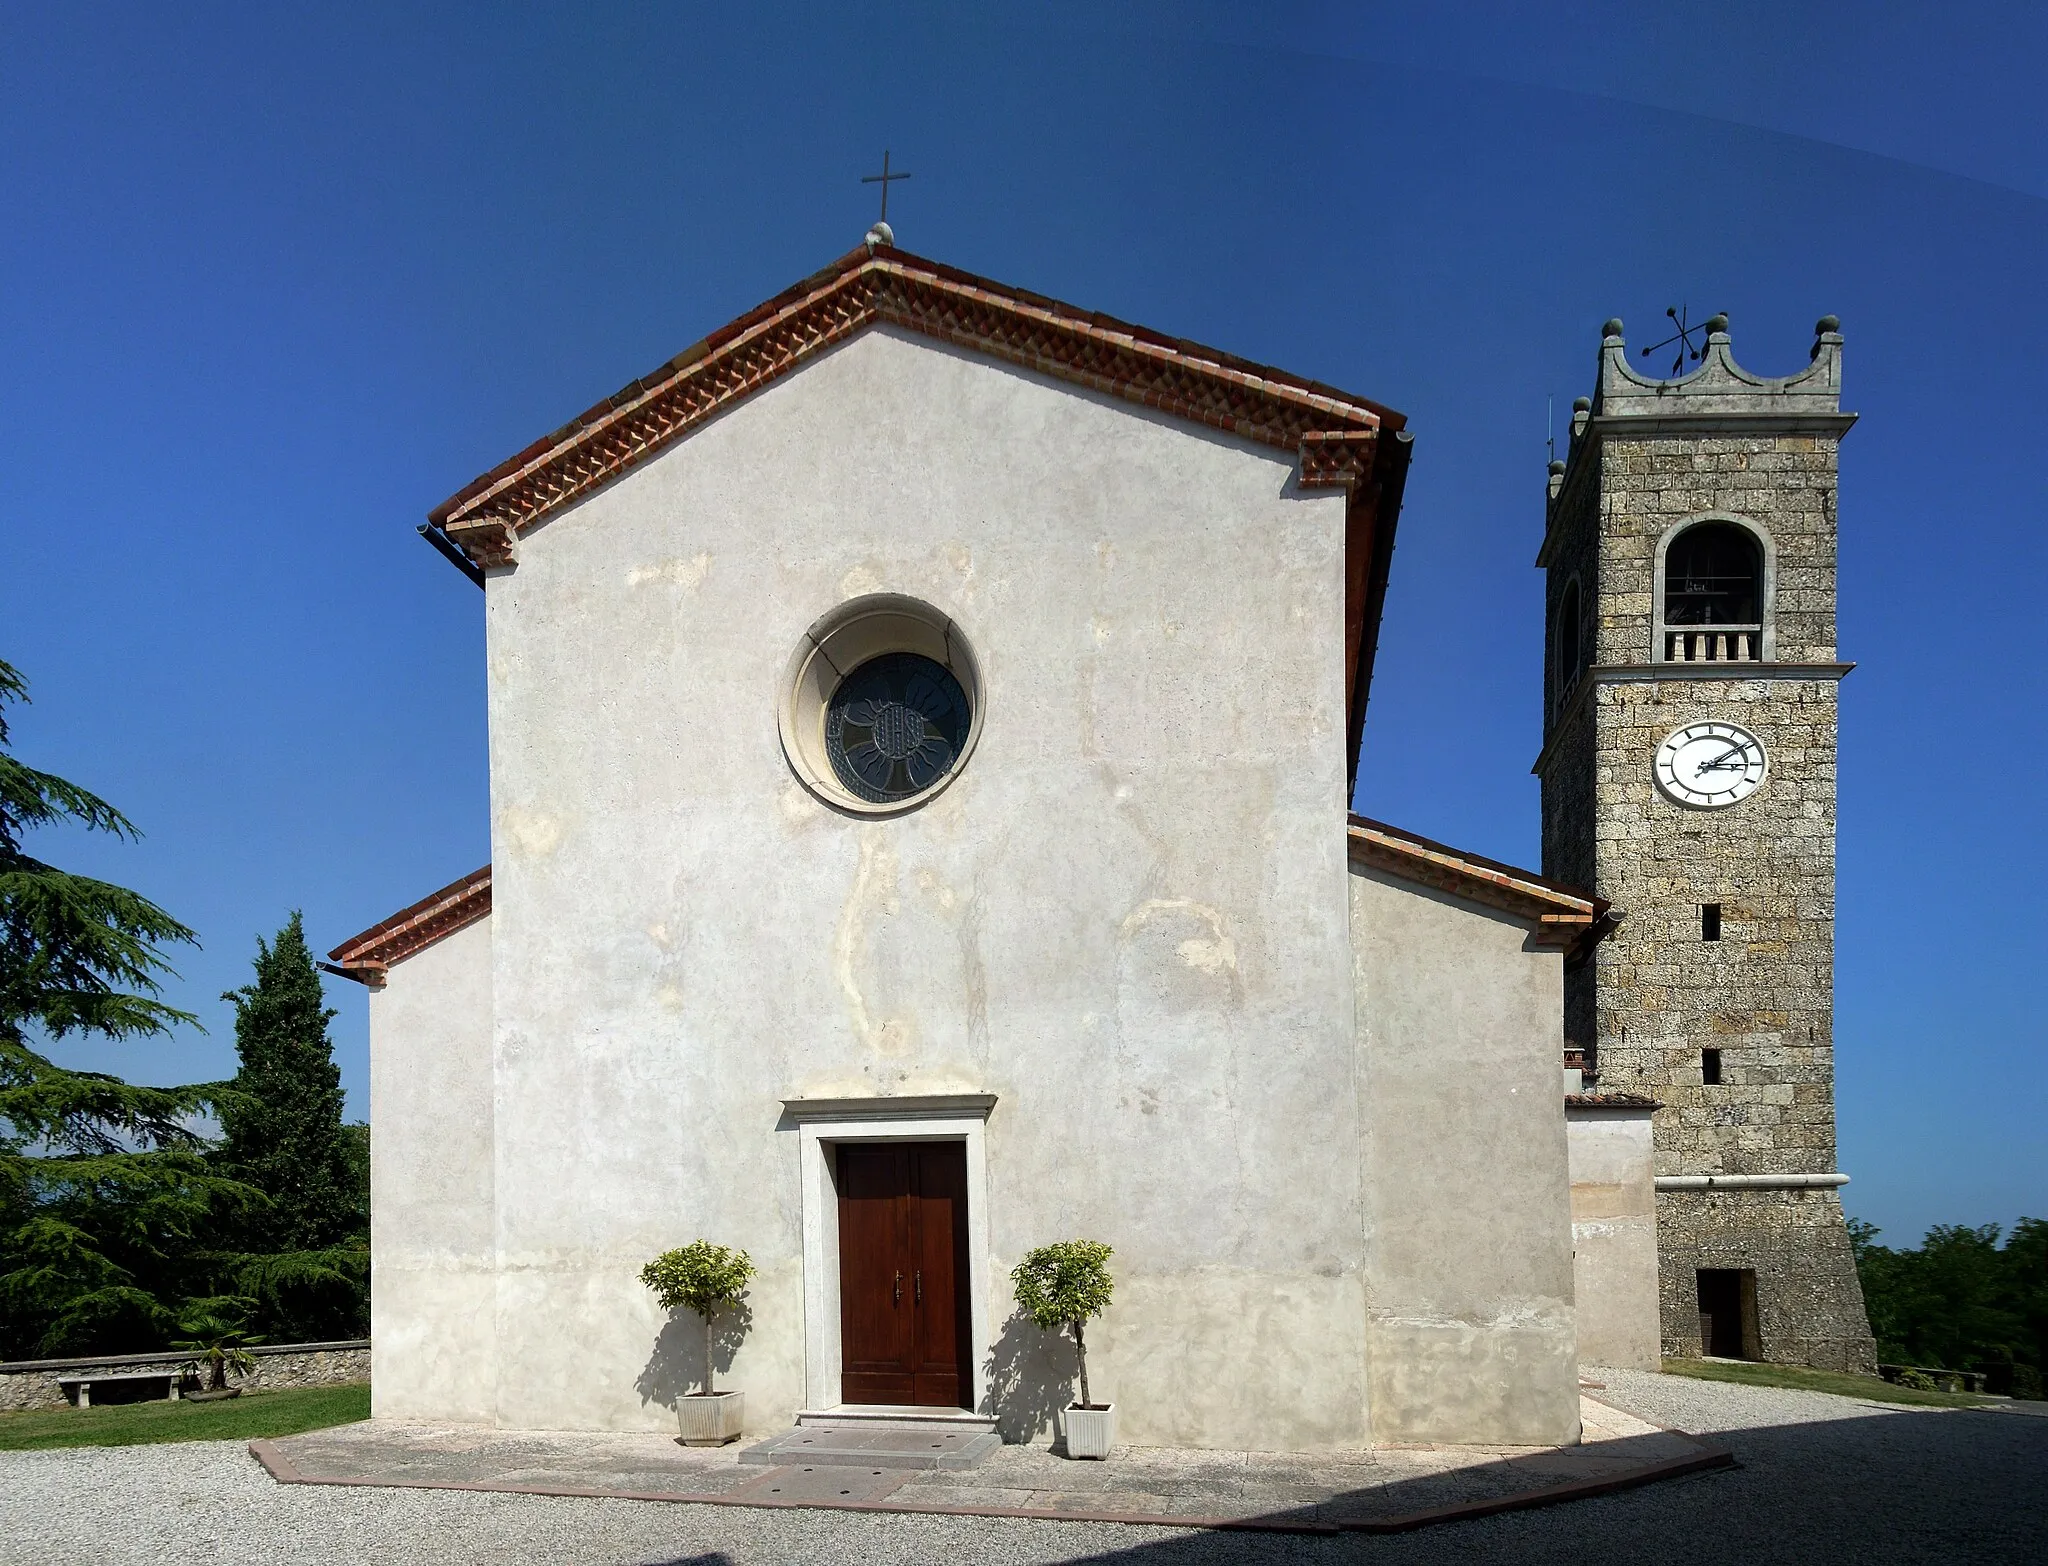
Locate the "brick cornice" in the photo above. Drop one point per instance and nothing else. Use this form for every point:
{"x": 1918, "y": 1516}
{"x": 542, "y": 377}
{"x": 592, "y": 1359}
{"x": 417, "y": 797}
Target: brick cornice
{"x": 1330, "y": 430}
{"x": 368, "y": 957}
{"x": 1335, "y": 437}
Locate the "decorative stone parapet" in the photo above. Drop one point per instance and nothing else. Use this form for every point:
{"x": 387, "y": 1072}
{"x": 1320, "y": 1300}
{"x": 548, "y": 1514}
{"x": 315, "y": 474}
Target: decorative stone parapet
{"x": 34, "y": 1383}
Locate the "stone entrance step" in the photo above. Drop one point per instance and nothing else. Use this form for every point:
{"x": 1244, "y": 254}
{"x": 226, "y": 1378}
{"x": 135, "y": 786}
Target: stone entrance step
{"x": 877, "y": 1444}
{"x": 908, "y": 1414}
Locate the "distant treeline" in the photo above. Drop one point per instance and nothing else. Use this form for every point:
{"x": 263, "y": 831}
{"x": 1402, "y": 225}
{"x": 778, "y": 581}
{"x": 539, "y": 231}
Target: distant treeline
{"x": 1961, "y": 1301}
{"x": 135, "y": 1218}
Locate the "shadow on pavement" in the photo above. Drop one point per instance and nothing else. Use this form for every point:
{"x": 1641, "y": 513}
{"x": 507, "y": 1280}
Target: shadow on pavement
{"x": 1938, "y": 1486}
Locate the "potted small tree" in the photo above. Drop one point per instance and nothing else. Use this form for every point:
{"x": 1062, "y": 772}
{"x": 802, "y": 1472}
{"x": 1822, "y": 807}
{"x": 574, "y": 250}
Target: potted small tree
{"x": 710, "y": 1280}
{"x": 215, "y": 1339}
{"x": 1063, "y": 1285}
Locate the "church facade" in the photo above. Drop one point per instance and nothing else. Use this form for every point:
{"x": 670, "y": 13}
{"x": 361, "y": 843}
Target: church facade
{"x": 922, "y": 719}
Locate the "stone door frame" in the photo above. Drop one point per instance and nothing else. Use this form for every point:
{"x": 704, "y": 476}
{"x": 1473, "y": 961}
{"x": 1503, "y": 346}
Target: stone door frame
{"x": 822, "y": 1124}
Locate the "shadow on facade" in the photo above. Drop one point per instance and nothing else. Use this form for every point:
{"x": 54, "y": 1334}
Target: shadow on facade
{"x": 1031, "y": 1374}
{"x": 676, "y": 1366}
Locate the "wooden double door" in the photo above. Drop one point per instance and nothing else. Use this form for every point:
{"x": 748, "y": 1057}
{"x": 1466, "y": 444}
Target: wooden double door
{"x": 903, "y": 1296}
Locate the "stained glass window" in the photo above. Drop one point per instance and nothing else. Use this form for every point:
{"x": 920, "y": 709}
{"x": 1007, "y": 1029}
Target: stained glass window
{"x": 895, "y": 727}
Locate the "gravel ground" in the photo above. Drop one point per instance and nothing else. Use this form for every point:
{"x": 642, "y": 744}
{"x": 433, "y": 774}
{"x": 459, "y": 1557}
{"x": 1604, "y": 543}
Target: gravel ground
{"x": 1821, "y": 1479}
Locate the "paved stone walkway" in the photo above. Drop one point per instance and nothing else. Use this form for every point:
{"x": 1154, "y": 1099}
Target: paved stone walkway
{"x": 1384, "y": 1489}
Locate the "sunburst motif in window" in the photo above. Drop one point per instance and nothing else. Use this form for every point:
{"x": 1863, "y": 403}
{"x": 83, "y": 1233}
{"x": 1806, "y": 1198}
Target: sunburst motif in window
{"x": 895, "y": 726}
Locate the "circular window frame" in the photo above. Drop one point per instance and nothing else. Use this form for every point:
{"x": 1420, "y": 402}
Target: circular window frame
{"x": 841, "y": 641}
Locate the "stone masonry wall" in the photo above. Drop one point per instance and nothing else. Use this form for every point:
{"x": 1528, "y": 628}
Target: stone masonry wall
{"x": 1656, "y": 994}
{"x": 1809, "y": 1306}
{"x": 1764, "y": 993}
{"x": 1572, "y": 543}
{"x": 1568, "y": 806}
{"x": 1785, "y": 483}
{"x": 34, "y": 1383}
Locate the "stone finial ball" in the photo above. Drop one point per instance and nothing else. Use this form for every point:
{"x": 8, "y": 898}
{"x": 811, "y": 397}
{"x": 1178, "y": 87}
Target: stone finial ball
{"x": 1717, "y": 323}
{"x": 1556, "y": 468}
{"x": 1612, "y": 328}
{"x": 1827, "y": 323}
{"x": 1582, "y": 405}
{"x": 881, "y": 234}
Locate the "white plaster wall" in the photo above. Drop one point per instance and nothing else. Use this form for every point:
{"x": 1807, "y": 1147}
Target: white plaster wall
{"x": 1614, "y": 1236}
{"x": 1470, "y": 1324}
{"x": 433, "y": 1237}
{"x": 1127, "y": 918}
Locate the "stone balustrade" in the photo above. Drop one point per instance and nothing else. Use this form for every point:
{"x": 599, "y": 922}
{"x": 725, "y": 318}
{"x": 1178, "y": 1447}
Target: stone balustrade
{"x": 1714, "y": 644}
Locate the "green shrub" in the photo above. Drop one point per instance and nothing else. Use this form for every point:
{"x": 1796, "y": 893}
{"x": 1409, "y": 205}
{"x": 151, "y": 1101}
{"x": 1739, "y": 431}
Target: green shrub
{"x": 1916, "y": 1380}
{"x": 1960, "y": 1299}
{"x": 702, "y": 1277}
{"x": 1063, "y": 1285}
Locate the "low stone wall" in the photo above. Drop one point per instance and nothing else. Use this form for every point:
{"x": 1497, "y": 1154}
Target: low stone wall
{"x": 34, "y": 1383}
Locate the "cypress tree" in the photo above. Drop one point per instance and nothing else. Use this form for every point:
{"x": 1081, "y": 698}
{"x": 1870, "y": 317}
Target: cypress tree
{"x": 306, "y": 1247}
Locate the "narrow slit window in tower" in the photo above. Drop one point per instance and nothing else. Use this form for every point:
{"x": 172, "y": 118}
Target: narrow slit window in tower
{"x": 1710, "y": 1067}
{"x": 1710, "y": 921}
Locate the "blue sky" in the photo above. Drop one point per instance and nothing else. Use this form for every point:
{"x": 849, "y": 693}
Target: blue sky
{"x": 274, "y": 281}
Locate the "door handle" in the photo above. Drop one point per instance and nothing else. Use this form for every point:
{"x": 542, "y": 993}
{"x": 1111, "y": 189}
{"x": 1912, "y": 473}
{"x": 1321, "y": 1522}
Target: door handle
{"x": 917, "y": 1283}
{"x": 897, "y": 1297}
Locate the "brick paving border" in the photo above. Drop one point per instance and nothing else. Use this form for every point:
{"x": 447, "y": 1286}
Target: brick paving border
{"x": 282, "y": 1469}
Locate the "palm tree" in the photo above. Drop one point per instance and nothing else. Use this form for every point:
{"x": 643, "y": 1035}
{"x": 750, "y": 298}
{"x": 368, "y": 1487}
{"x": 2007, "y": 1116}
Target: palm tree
{"x": 214, "y": 1337}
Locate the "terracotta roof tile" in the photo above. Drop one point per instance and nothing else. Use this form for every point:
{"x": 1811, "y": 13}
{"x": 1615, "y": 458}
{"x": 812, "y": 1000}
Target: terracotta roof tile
{"x": 369, "y": 956}
{"x": 1562, "y": 914}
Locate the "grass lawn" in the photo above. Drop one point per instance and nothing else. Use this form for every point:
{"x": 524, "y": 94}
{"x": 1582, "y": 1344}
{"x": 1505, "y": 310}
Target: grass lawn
{"x": 1869, "y": 1388}
{"x": 285, "y": 1411}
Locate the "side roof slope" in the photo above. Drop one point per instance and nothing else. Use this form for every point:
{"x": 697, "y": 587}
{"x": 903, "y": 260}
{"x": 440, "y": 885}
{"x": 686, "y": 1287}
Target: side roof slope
{"x": 1563, "y": 915}
{"x": 368, "y": 957}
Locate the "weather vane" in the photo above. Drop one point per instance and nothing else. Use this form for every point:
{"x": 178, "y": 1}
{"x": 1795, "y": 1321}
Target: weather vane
{"x": 1683, "y": 337}
{"x": 883, "y": 179}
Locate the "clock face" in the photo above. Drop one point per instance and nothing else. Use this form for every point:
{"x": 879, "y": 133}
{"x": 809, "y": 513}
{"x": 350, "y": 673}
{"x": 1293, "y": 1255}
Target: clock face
{"x": 1707, "y": 765}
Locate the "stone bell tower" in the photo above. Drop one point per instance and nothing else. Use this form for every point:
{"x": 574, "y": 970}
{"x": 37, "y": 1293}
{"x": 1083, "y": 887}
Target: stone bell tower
{"x": 1688, "y": 768}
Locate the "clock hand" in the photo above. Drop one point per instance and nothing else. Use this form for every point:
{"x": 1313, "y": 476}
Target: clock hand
{"x": 1722, "y": 763}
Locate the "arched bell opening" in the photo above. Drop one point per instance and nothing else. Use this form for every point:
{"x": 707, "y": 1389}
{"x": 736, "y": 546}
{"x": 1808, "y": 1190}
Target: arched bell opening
{"x": 1568, "y": 646}
{"x": 1714, "y": 593}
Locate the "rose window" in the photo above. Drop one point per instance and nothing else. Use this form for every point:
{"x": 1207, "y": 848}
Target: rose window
{"x": 895, "y": 726}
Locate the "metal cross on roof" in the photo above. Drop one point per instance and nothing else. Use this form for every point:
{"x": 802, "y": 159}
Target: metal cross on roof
{"x": 883, "y": 179}
{"x": 1683, "y": 337}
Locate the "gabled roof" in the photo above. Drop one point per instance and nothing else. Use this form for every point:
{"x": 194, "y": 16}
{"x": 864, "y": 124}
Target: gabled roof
{"x": 366, "y": 958}
{"x": 1341, "y": 441}
{"x": 1563, "y": 915}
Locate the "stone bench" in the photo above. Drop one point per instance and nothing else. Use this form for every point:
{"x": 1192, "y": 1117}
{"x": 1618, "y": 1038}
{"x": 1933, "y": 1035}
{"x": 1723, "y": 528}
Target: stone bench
{"x": 1945, "y": 1380}
{"x": 79, "y": 1388}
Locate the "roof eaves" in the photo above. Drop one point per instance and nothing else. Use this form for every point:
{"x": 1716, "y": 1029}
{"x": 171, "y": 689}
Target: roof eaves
{"x": 1256, "y": 401}
{"x": 1561, "y": 915}
{"x": 368, "y": 957}
{"x": 1629, "y": 1101}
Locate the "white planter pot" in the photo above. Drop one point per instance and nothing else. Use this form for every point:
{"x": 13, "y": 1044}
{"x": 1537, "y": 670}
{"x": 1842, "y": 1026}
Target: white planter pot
{"x": 1091, "y": 1432}
{"x": 713, "y": 1420}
